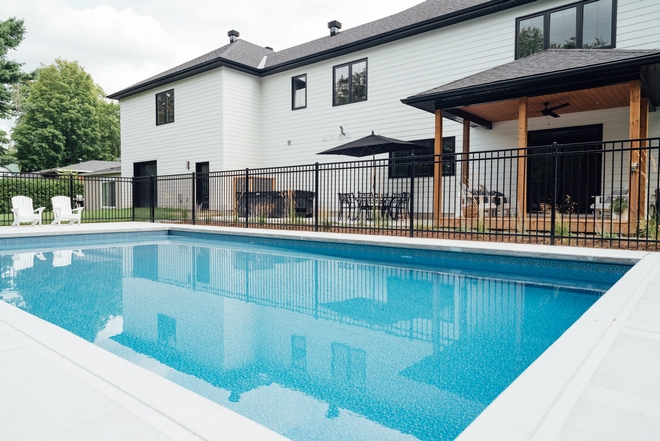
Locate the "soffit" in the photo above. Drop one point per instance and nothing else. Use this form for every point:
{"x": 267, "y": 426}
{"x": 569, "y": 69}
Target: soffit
{"x": 598, "y": 98}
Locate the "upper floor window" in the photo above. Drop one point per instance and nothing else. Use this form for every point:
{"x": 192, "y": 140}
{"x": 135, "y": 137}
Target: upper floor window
{"x": 399, "y": 166}
{"x": 299, "y": 92}
{"x": 584, "y": 25}
{"x": 350, "y": 82}
{"x": 165, "y": 107}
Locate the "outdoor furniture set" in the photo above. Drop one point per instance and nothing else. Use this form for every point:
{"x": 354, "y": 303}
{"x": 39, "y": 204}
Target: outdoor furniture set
{"x": 366, "y": 205}
{"x": 25, "y": 213}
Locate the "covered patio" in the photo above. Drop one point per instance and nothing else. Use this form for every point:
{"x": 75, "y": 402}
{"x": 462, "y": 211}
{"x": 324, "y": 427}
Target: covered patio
{"x": 566, "y": 180}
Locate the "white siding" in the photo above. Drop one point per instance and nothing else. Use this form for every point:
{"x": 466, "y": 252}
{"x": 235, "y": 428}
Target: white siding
{"x": 235, "y": 120}
{"x": 637, "y": 24}
{"x": 195, "y": 135}
{"x": 242, "y": 120}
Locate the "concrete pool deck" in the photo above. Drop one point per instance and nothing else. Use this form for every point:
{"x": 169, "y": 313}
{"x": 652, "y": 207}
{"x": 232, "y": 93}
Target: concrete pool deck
{"x": 598, "y": 381}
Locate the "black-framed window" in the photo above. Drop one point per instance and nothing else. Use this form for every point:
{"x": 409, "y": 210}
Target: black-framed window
{"x": 349, "y": 82}
{"x": 585, "y": 25}
{"x": 299, "y": 92}
{"x": 399, "y": 166}
{"x": 165, "y": 107}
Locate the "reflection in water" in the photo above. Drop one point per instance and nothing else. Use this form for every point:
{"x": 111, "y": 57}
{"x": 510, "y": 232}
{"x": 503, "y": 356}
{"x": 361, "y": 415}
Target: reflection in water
{"x": 273, "y": 334}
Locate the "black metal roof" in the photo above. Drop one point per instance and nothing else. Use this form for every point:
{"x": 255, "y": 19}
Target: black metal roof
{"x": 550, "y": 71}
{"x": 248, "y": 57}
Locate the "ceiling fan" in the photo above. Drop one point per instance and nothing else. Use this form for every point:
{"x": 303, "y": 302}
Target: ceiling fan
{"x": 551, "y": 111}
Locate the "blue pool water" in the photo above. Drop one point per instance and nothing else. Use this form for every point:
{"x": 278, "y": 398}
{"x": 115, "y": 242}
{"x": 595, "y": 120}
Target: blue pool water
{"x": 315, "y": 341}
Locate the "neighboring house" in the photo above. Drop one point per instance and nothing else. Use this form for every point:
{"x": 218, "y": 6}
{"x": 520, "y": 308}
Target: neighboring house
{"x": 99, "y": 192}
{"x": 243, "y": 105}
{"x": 106, "y": 193}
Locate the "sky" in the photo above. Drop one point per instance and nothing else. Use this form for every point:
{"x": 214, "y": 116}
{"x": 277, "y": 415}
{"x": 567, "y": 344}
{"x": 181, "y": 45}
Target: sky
{"x": 121, "y": 42}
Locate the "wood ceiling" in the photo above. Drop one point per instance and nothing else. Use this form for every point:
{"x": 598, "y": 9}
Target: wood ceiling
{"x": 599, "y": 98}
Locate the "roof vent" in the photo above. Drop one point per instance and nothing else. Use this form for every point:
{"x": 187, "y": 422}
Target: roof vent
{"x": 233, "y": 35}
{"x": 334, "y": 27}
{"x": 269, "y": 48}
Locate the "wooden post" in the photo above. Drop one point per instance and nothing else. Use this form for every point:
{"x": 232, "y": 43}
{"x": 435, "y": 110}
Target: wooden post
{"x": 437, "y": 170}
{"x": 521, "y": 202}
{"x": 635, "y": 133}
{"x": 466, "y": 149}
{"x": 643, "y": 154}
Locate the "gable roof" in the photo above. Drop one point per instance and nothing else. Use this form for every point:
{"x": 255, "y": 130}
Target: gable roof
{"x": 83, "y": 167}
{"x": 247, "y": 57}
{"x": 550, "y": 71}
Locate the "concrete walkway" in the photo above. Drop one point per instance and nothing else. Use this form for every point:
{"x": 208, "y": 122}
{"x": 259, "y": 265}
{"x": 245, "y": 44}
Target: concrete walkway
{"x": 598, "y": 381}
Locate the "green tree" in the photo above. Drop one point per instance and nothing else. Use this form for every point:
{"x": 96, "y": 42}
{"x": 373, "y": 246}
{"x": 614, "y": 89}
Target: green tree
{"x": 6, "y": 153}
{"x": 65, "y": 118}
{"x": 12, "y": 32}
{"x": 109, "y": 135}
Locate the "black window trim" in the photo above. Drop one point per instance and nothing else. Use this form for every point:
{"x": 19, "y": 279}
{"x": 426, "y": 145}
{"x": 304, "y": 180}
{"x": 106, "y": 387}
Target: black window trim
{"x": 427, "y": 159}
{"x": 166, "y": 121}
{"x": 350, "y": 82}
{"x": 578, "y": 24}
{"x": 293, "y": 92}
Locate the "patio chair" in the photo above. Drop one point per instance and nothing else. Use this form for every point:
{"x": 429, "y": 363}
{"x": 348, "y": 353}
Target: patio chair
{"x": 23, "y": 211}
{"x": 63, "y": 212}
{"x": 399, "y": 205}
{"x": 477, "y": 203}
{"x": 603, "y": 207}
{"x": 365, "y": 203}
{"x": 502, "y": 207}
{"x": 346, "y": 200}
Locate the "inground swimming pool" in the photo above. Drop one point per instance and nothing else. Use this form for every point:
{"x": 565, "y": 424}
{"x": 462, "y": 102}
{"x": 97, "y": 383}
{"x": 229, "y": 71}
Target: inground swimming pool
{"x": 316, "y": 341}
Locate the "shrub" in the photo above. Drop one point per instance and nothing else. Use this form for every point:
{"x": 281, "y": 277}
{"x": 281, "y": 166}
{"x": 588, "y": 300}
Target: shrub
{"x": 38, "y": 188}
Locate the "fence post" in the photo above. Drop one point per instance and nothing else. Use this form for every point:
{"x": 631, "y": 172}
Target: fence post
{"x": 553, "y": 208}
{"x": 412, "y": 195}
{"x": 71, "y": 188}
{"x": 152, "y": 197}
{"x": 247, "y": 198}
{"x": 194, "y": 202}
{"x": 316, "y": 194}
{"x": 133, "y": 199}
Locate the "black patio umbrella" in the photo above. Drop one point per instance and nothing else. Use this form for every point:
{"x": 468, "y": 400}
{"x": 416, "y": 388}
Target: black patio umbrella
{"x": 371, "y": 145}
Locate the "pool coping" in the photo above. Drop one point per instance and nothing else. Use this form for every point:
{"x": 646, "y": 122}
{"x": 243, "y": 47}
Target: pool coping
{"x": 536, "y": 406}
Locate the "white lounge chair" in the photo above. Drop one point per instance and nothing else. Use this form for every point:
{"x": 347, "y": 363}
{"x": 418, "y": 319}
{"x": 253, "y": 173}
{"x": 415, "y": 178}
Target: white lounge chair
{"x": 63, "y": 212}
{"x": 23, "y": 211}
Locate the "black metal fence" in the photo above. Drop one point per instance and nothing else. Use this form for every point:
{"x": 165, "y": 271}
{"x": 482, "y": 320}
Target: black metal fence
{"x": 589, "y": 194}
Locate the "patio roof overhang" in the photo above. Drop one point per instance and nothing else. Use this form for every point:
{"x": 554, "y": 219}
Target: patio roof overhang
{"x": 591, "y": 79}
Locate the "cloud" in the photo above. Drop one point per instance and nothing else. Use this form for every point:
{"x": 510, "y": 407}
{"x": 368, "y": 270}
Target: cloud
{"x": 122, "y": 42}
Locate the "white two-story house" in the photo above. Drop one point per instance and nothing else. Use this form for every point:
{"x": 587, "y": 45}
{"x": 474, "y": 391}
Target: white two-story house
{"x": 479, "y": 74}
